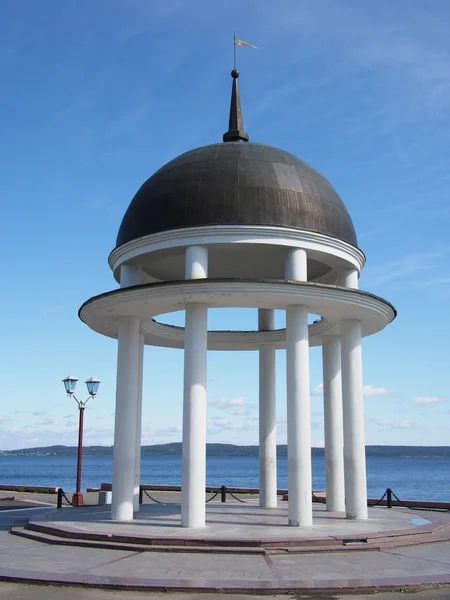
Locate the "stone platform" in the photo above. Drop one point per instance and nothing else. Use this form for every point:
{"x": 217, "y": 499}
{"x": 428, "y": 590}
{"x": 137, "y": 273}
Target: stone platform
{"x": 243, "y": 548}
{"x": 234, "y": 528}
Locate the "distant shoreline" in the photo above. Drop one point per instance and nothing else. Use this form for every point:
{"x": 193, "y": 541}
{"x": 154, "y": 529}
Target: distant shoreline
{"x": 174, "y": 449}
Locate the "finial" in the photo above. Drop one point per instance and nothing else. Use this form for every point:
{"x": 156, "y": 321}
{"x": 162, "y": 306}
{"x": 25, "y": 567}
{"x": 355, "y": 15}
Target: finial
{"x": 235, "y": 131}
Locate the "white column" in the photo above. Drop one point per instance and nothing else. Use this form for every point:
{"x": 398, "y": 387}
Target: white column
{"x": 267, "y": 416}
{"x": 348, "y": 278}
{"x": 130, "y": 275}
{"x": 125, "y": 419}
{"x": 196, "y": 262}
{"x": 298, "y": 400}
{"x": 193, "y": 473}
{"x": 332, "y": 408}
{"x": 296, "y": 265}
{"x": 353, "y": 413}
{"x": 127, "y": 393}
{"x": 137, "y": 463}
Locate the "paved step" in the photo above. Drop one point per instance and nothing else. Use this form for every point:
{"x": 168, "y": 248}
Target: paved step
{"x": 52, "y": 535}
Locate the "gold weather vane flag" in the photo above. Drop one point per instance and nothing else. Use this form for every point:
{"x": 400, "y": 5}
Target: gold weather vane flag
{"x": 238, "y": 42}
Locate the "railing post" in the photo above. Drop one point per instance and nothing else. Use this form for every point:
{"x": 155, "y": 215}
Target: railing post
{"x": 389, "y": 498}
{"x": 59, "y": 498}
{"x": 141, "y": 495}
{"x": 223, "y": 492}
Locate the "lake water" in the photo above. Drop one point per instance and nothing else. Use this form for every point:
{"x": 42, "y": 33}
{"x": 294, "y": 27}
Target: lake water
{"x": 421, "y": 478}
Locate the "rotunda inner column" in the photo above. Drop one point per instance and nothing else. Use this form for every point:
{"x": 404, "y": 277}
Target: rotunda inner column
{"x": 353, "y": 417}
{"x": 332, "y": 409}
{"x": 137, "y": 462}
{"x": 127, "y": 399}
{"x": 267, "y": 416}
{"x": 193, "y": 470}
{"x": 298, "y": 400}
{"x": 348, "y": 278}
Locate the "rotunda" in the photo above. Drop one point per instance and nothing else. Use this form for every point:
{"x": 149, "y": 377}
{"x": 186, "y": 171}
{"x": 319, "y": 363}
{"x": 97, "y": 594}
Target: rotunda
{"x": 240, "y": 224}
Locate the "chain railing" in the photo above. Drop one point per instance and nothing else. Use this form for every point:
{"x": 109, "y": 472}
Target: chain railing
{"x": 389, "y": 503}
{"x": 224, "y": 491}
{"x": 62, "y": 495}
{"x": 412, "y": 507}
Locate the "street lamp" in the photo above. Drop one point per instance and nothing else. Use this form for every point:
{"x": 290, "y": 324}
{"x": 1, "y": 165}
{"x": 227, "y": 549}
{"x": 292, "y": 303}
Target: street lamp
{"x": 92, "y": 387}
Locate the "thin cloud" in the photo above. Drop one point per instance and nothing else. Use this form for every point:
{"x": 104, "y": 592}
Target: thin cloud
{"x": 226, "y": 425}
{"x": 428, "y": 400}
{"x": 45, "y": 422}
{"x": 402, "y": 268}
{"x": 168, "y": 431}
{"x": 368, "y": 390}
{"x": 223, "y": 403}
{"x": 221, "y": 422}
{"x": 396, "y": 424}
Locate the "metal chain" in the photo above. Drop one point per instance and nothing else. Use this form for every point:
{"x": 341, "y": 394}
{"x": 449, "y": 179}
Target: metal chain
{"x": 213, "y": 496}
{"x": 235, "y": 497}
{"x": 379, "y": 501}
{"x": 154, "y": 499}
{"x": 420, "y": 507}
{"x": 66, "y": 498}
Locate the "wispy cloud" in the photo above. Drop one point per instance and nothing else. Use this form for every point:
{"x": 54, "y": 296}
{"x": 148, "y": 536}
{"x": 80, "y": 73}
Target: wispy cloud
{"x": 428, "y": 400}
{"x": 223, "y": 403}
{"x": 241, "y": 412}
{"x": 396, "y": 424}
{"x": 45, "y": 422}
{"x": 400, "y": 269}
{"x": 221, "y": 422}
{"x": 168, "y": 431}
{"x": 423, "y": 68}
{"x": 38, "y": 412}
{"x": 226, "y": 425}
{"x": 368, "y": 390}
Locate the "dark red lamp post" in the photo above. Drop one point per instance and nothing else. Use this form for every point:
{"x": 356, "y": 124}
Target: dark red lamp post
{"x": 92, "y": 387}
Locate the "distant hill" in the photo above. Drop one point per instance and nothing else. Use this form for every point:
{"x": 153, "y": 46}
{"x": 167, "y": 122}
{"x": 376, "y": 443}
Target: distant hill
{"x": 174, "y": 449}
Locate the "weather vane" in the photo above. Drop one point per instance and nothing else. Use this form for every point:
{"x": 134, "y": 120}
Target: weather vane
{"x": 238, "y": 42}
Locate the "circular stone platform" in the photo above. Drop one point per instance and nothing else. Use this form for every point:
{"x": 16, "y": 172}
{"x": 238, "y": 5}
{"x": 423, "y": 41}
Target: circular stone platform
{"x": 240, "y": 527}
{"x": 243, "y": 549}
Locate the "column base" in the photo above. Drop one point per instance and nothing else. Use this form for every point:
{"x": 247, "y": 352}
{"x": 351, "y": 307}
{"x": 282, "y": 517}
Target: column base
{"x": 77, "y": 499}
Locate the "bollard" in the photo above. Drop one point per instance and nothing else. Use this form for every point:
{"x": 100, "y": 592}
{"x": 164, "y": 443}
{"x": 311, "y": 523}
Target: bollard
{"x": 141, "y": 495}
{"x": 389, "y": 498}
{"x": 60, "y": 498}
{"x": 223, "y": 494}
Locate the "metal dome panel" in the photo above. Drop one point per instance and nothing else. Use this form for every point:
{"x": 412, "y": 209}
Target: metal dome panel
{"x": 236, "y": 183}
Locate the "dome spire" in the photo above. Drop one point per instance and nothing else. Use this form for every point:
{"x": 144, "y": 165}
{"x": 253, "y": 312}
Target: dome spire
{"x": 235, "y": 131}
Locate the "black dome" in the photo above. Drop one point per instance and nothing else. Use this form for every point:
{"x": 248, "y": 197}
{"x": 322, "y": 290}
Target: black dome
{"x": 237, "y": 183}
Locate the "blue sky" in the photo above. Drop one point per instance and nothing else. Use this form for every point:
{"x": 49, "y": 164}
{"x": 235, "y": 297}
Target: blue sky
{"x": 97, "y": 95}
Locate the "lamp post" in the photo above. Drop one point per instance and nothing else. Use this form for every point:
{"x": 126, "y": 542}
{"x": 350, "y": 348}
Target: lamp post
{"x": 92, "y": 387}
